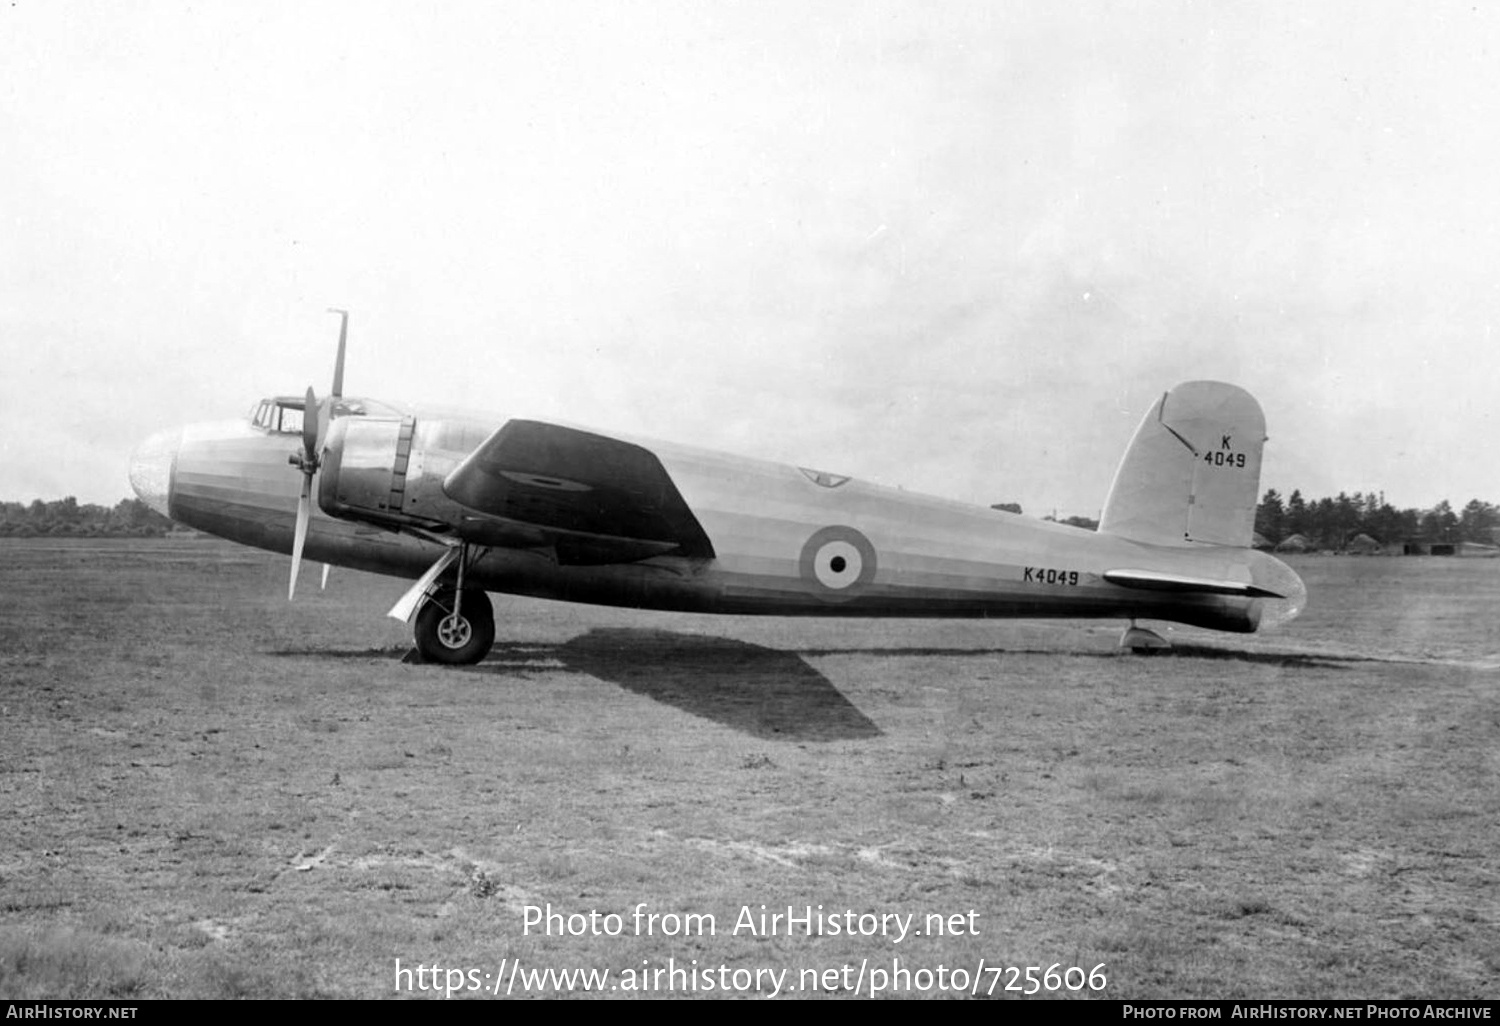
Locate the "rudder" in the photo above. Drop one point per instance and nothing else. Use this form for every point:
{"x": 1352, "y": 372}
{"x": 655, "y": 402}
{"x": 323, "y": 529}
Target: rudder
{"x": 1192, "y": 472}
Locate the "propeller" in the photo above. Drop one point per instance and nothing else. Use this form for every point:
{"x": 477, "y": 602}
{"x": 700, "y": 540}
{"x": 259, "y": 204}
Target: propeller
{"x": 338, "y": 363}
{"x": 338, "y": 393}
{"x": 307, "y": 462}
{"x": 315, "y": 420}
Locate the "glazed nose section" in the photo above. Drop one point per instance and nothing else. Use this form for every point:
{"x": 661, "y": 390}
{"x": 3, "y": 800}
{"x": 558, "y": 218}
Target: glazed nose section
{"x": 151, "y": 469}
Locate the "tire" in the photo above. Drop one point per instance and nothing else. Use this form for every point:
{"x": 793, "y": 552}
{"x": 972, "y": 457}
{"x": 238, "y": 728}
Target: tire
{"x": 455, "y": 644}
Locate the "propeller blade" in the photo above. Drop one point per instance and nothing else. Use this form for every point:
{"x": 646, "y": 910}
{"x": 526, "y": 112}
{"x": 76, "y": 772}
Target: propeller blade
{"x": 311, "y": 432}
{"x": 338, "y": 363}
{"x": 304, "y": 512}
{"x": 325, "y": 416}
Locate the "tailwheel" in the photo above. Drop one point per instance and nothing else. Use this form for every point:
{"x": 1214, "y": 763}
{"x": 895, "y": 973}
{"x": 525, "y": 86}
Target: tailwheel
{"x": 1143, "y": 642}
{"x": 457, "y": 634}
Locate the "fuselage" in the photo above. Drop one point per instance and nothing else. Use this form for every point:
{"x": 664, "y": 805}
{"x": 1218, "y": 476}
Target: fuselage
{"x": 785, "y": 540}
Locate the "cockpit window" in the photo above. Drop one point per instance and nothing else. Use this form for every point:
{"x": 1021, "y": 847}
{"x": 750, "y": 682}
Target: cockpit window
{"x": 284, "y": 415}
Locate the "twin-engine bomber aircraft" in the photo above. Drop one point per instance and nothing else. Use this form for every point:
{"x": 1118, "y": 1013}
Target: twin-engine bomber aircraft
{"x": 531, "y": 508}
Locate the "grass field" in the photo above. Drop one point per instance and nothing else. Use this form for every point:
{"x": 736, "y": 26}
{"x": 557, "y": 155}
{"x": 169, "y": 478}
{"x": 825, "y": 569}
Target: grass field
{"x": 208, "y": 792}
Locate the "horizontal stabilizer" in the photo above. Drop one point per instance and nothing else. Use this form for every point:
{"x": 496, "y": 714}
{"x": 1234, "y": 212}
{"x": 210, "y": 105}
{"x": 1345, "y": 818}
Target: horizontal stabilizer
{"x": 1155, "y": 580}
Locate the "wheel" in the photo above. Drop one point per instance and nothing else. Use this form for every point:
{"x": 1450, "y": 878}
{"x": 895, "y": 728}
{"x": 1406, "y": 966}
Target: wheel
{"x": 459, "y": 640}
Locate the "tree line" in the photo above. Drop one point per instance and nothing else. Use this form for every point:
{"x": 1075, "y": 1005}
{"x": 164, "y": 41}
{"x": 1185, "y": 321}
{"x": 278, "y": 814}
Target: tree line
{"x": 1334, "y": 523}
{"x": 129, "y": 518}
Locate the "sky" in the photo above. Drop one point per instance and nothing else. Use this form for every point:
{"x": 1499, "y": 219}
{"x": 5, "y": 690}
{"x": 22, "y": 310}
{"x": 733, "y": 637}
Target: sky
{"x": 954, "y": 247}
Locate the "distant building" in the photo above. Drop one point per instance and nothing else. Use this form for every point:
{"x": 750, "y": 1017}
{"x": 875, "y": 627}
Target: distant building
{"x": 1463, "y": 548}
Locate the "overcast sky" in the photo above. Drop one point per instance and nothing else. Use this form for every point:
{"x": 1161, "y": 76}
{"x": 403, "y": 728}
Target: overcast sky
{"x": 957, "y": 247}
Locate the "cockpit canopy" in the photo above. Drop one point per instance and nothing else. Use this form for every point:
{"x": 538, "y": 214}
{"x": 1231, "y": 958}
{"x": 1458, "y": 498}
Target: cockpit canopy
{"x": 283, "y": 415}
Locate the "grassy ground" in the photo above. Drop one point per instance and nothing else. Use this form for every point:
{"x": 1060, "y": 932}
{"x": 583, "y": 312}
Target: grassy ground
{"x": 209, "y": 793}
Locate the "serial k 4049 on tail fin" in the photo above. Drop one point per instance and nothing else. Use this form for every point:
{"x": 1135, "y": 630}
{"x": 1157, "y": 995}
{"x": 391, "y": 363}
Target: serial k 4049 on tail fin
{"x": 1192, "y": 472}
{"x": 466, "y": 506}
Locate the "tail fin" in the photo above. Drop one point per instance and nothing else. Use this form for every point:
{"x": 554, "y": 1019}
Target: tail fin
{"x": 1192, "y": 472}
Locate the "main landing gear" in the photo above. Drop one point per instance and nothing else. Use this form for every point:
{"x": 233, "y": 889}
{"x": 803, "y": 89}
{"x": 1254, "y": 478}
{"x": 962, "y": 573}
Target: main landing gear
{"x": 453, "y": 627}
{"x": 451, "y": 624}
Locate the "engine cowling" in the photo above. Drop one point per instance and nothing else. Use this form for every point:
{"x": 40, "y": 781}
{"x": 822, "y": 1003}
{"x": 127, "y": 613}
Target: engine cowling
{"x": 363, "y": 474}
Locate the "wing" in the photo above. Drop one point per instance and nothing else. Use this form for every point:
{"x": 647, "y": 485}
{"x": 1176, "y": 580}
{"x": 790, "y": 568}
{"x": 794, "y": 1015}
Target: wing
{"x": 597, "y": 499}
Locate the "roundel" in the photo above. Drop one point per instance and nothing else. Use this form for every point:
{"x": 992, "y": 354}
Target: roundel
{"x": 838, "y": 562}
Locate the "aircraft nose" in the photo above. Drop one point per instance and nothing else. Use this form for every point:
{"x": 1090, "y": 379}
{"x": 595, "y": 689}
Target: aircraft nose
{"x": 151, "y": 468}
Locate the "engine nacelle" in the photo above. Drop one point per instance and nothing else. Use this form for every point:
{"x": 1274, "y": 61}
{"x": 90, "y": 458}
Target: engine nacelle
{"x": 363, "y": 473}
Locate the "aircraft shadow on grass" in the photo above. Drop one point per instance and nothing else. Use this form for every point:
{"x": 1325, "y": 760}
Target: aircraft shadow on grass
{"x": 1179, "y": 650}
{"x": 764, "y": 692}
{"x": 1290, "y": 660}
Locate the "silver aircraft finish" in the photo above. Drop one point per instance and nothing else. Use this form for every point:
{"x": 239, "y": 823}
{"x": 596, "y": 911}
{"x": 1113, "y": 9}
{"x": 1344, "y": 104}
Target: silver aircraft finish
{"x": 467, "y": 506}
